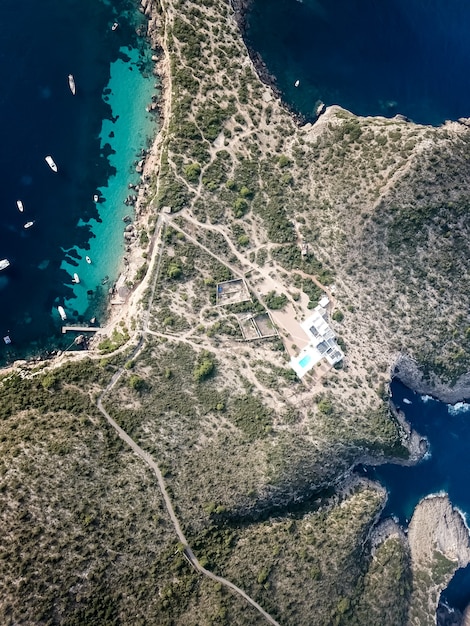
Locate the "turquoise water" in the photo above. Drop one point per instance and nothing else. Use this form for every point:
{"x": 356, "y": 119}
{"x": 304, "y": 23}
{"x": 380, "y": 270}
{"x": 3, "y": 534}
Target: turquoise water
{"x": 305, "y": 361}
{"x": 95, "y": 137}
{"x": 128, "y": 92}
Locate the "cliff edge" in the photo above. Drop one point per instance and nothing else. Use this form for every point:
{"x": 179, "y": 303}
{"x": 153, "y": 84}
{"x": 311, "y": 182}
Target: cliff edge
{"x": 439, "y": 545}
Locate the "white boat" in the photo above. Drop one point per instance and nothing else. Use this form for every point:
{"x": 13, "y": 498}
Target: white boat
{"x": 62, "y": 313}
{"x": 76, "y": 278}
{"x": 50, "y": 162}
{"x": 297, "y": 83}
{"x": 87, "y": 259}
{"x": 114, "y": 26}
{"x": 96, "y": 198}
{"x": 28, "y": 225}
{"x": 4, "y": 263}
{"x": 20, "y": 206}
{"x": 72, "y": 84}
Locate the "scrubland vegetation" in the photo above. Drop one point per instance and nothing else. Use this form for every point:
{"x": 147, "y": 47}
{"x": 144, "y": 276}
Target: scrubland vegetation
{"x": 253, "y": 459}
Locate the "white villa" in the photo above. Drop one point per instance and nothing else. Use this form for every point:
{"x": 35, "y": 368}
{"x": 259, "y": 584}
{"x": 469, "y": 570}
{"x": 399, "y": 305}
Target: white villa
{"x": 322, "y": 342}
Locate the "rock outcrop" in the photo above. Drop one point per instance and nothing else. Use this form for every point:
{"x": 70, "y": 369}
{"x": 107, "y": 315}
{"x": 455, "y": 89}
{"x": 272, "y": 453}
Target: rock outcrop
{"x": 439, "y": 545}
{"x": 408, "y": 371}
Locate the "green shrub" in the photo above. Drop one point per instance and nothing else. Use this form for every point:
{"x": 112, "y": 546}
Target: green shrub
{"x": 338, "y": 316}
{"x": 205, "y": 367}
{"x": 274, "y": 301}
{"x": 192, "y": 172}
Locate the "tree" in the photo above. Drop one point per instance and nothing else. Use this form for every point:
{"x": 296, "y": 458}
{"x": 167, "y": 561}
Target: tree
{"x": 338, "y": 316}
{"x": 192, "y": 172}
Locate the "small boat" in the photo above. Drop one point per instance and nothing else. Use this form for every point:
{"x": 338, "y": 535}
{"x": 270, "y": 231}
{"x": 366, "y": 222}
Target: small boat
{"x": 114, "y": 26}
{"x": 88, "y": 260}
{"x": 20, "y": 206}
{"x": 105, "y": 280}
{"x": 96, "y": 198}
{"x": 50, "y": 162}
{"x": 62, "y": 313}
{"x": 28, "y": 225}
{"x": 72, "y": 84}
{"x": 76, "y": 278}
{"x": 4, "y": 263}
{"x": 7, "y": 340}
{"x": 321, "y": 108}
{"x": 297, "y": 83}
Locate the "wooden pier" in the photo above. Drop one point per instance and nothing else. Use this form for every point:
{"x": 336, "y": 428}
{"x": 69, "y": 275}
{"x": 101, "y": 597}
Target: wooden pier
{"x": 80, "y": 329}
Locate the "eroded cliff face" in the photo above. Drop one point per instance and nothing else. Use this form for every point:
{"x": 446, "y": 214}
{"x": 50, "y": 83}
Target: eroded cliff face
{"x": 410, "y": 373}
{"x": 439, "y": 545}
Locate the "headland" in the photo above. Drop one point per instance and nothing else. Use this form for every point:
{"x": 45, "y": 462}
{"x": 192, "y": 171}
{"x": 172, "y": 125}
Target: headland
{"x": 251, "y": 221}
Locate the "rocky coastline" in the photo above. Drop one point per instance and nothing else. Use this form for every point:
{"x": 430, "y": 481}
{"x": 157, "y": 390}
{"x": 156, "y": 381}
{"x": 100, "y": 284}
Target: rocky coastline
{"x": 409, "y": 372}
{"x": 240, "y": 9}
{"x": 439, "y": 545}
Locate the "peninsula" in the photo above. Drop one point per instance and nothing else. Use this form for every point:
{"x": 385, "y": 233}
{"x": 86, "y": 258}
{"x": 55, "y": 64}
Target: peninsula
{"x": 182, "y": 472}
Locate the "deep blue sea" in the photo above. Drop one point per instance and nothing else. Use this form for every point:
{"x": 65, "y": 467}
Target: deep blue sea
{"x": 95, "y": 137}
{"x": 446, "y": 467}
{"x": 373, "y": 58}
{"x": 382, "y": 58}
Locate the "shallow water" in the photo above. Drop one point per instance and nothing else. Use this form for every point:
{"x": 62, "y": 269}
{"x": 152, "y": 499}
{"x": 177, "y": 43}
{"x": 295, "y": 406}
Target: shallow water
{"x": 94, "y": 137}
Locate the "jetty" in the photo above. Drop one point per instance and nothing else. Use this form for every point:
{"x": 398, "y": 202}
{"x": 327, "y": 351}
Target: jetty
{"x": 80, "y": 329}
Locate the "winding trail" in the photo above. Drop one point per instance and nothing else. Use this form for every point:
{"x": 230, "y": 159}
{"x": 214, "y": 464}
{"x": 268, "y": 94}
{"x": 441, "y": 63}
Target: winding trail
{"x": 145, "y": 456}
{"x": 154, "y": 268}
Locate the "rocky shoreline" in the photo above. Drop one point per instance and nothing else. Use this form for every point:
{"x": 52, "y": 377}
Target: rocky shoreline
{"x": 408, "y": 371}
{"x": 240, "y": 9}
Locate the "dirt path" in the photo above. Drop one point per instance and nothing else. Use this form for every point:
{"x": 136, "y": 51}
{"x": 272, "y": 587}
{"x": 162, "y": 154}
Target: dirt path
{"x": 152, "y": 275}
{"x": 161, "y": 483}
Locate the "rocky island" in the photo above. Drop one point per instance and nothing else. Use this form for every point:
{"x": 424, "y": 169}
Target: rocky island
{"x": 181, "y": 472}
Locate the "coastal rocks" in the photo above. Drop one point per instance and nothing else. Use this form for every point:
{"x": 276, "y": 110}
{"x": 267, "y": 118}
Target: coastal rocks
{"x": 439, "y": 545}
{"x": 130, "y": 200}
{"x": 416, "y": 444}
{"x": 146, "y": 7}
{"x": 408, "y": 371}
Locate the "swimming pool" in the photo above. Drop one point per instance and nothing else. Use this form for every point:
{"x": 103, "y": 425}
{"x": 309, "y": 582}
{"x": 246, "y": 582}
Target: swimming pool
{"x": 305, "y": 361}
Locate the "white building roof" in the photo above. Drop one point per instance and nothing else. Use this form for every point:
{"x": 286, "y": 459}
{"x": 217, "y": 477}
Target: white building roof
{"x": 322, "y": 342}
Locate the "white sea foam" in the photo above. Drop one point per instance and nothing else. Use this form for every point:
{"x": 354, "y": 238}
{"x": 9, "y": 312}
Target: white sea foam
{"x": 437, "y": 494}
{"x": 426, "y": 398}
{"x": 427, "y": 454}
{"x": 463, "y": 515}
{"x": 460, "y": 407}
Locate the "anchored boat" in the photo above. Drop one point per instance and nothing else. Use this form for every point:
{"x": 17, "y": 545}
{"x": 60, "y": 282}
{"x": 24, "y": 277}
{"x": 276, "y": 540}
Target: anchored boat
{"x": 62, "y": 313}
{"x": 72, "y": 84}
{"x": 4, "y": 263}
{"x": 50, "y": 162}
{"x": 20, "y": 206}
{"x": 76, "y": 278}
{"x": 28, "y": 225}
